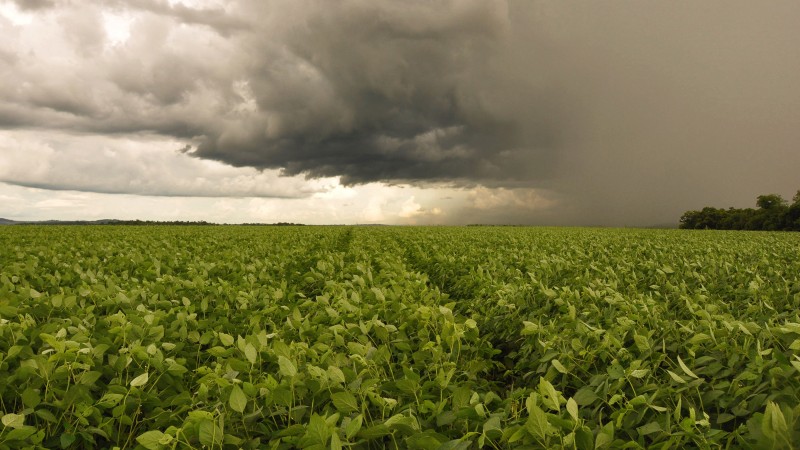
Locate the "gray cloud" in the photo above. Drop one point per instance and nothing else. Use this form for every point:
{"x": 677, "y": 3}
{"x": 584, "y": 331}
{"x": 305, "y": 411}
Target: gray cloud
{"x": 369, "y": 91}
{"x": 216, "y": 18}
{"x": 632, "y": 112}
{"x": 34, "y": 4}
{"x": 141, "y": 165}
{"x": 377, "y": 91}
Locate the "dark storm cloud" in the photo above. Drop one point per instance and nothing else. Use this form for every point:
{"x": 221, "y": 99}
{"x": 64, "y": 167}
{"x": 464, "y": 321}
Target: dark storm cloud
{"x": 383, "y": 91}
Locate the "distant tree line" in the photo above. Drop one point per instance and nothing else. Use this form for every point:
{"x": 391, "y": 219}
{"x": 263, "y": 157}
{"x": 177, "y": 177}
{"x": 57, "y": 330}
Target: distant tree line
{"x": 159, "y": 222}
{"x": 773, "y": 214}
{"x": 196, "y": 223}
{"x": 278, "y": 224}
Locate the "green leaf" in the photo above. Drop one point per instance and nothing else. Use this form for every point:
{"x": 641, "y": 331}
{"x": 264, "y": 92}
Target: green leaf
{"x": 559, "y": 367}
{"x": 676, "y": 414}
{"x": 151, "y": 440}
{"x": 549, "y": 395}
{"x": 8, "y": 311}
{"x": 676, "y": 377}
{"x": 282, "y": 396}
{"x": 686, "y": 369}
{"x": 584, "y": 439}
{"x": 19, "y": 434}
{"x": 46, "y": 415}
{"x": 456, "y": 444}
{"x": 529, "y": 328}
{"x": 520, "y": 433}
{"x": 110, "y": 400}
{"x": 605, "y": 437}
{"x": 353, "y": 426}
{"x": 317, "y": 432}
{"x": 493, "y": 425}
{"x": 237, "y": 400}
{"x": 30, "y": 398}
{"x": 650, "y": 428}
{"x": 209, "y": 433}
{"x": 225, "y": 339}
{"x": 405, "y": 424}
{"x": 286, "y": 367}
{"x": 344, "y": 402}
{"x": 774, "y": 422}
{"x": 642, "y": 342}
{"x": 13, "y": 420}
{"x": 426, "y": 440}
{"x": 336, "y": 443}
{"x": 336, "y": 374}
{"x": 67, "y": 439}
{"x": 250, "y": 353}
{"x": 572, "y": 409}
{"x": 537, "y": 423}
{"x": 14, "y": 350}
{"x": 141, "y": 380}
{"x": 89, "y": 378}
{"x": 585, "y": 396}
{"x": 229, "y": 440}
{"x": 219, "y": 351}
{"x": 374, "y": 432}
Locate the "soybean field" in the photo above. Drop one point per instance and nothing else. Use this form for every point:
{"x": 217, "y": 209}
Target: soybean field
{"x": 158, "y": 337}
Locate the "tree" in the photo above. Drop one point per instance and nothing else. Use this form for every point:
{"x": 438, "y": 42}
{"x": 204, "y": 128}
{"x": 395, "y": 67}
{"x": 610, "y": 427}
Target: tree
{"x": 773, "y": 214}
{"x": 689, "y": 220}
{"x": 792, "y": 221}
{"x": 770, "y": 201}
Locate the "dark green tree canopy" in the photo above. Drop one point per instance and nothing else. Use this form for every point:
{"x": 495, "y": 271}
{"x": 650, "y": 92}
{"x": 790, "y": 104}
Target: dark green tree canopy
{"x": 770, "y": 201}
{"x": 773, "y": 214}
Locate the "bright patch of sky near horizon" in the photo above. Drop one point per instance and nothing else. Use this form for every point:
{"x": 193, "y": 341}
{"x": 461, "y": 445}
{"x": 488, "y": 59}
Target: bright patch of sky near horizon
{"x": 445, "y": 112}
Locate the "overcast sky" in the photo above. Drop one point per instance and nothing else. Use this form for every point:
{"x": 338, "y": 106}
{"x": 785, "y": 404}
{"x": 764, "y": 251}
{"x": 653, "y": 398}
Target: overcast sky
{"x": 406, "y": 112}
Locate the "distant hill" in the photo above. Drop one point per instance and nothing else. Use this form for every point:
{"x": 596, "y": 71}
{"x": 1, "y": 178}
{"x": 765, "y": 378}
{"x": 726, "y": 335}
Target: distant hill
{"x": 126, "y": 222}
{"x": 58, "y": 222}
{"x": 99, "y": 222}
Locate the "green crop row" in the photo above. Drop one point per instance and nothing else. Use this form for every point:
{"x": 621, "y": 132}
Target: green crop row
{"x": 426, "y": 338}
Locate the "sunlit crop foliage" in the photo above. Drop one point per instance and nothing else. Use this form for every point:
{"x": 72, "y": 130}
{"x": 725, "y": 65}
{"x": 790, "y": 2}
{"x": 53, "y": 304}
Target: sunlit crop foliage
{"x": 376, "y": 337}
